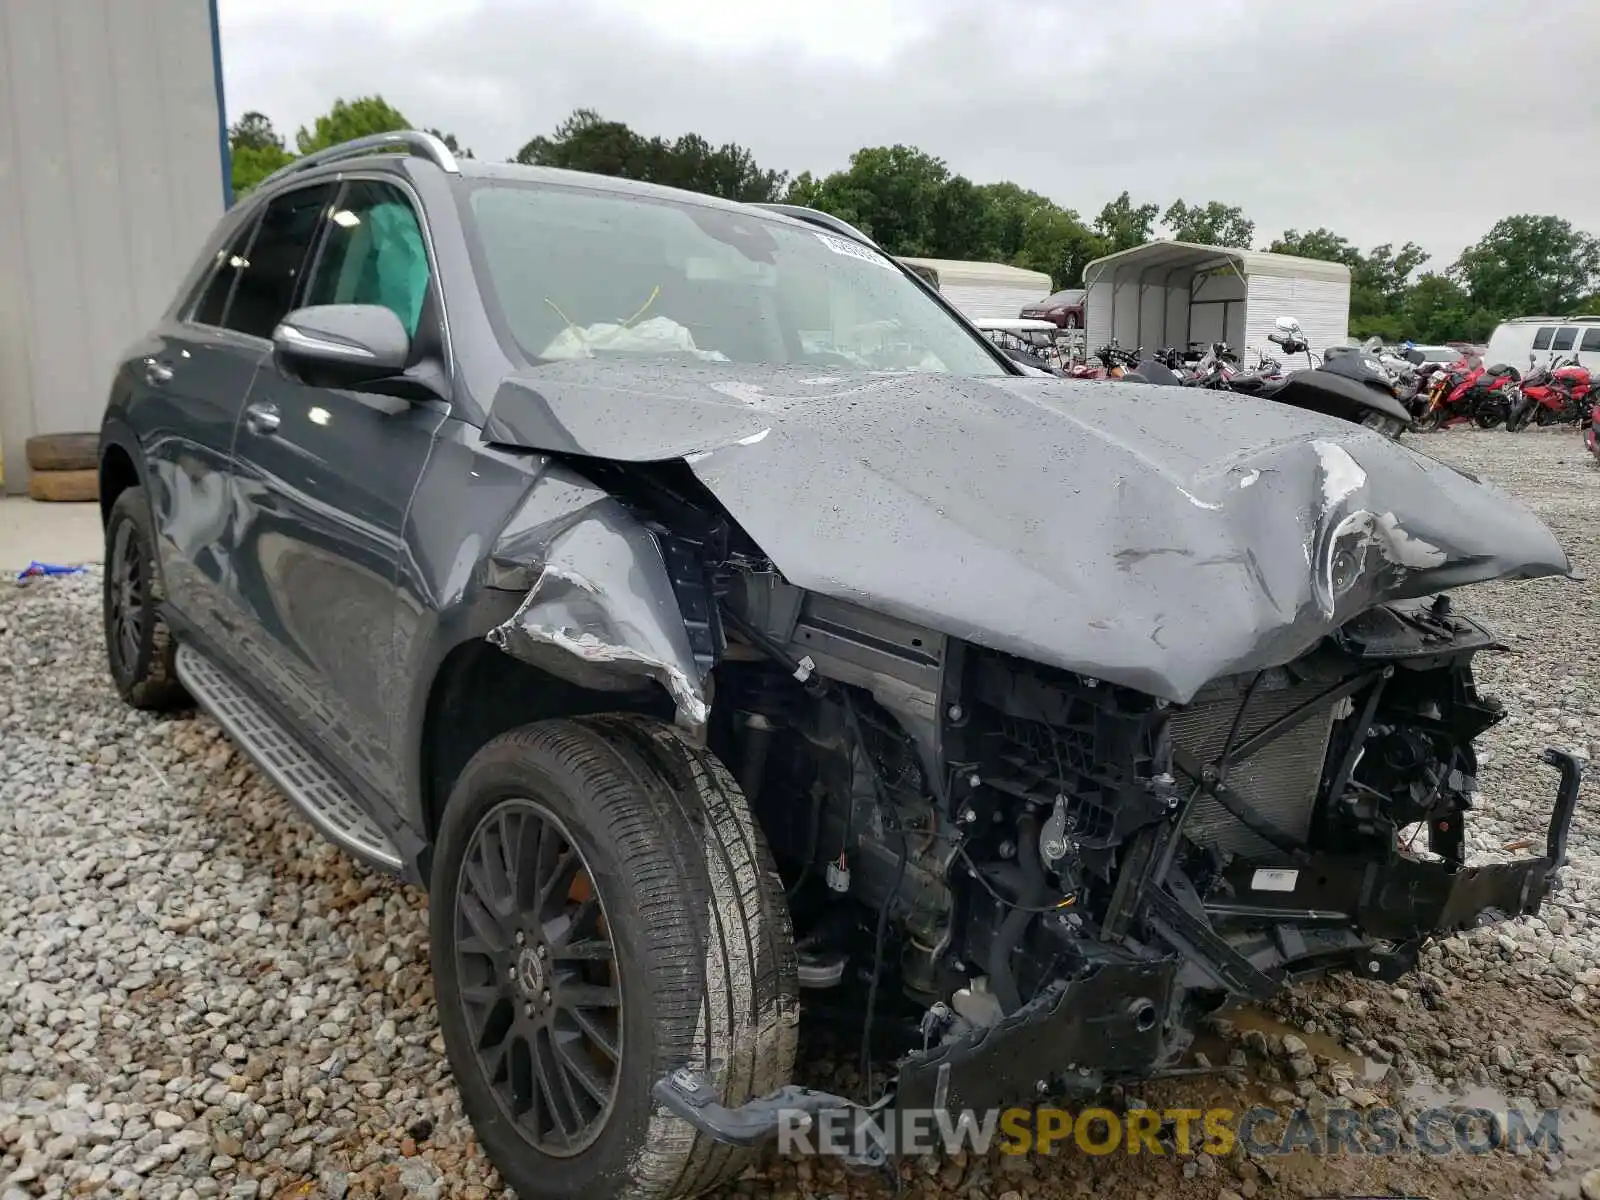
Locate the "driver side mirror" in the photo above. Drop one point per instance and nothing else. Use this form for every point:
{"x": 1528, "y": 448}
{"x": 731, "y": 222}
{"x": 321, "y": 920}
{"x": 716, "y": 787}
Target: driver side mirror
{"x": 1416, "y": 357}
{"x": 341, "y": 345}
{"x": 1287, "y": 325}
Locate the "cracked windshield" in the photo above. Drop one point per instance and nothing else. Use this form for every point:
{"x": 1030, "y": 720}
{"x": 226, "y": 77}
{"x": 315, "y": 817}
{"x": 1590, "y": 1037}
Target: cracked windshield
{"x": 579, "y": 274}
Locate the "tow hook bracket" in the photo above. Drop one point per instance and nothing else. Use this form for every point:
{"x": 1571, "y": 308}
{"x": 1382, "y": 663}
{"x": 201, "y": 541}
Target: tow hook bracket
{"x": 1571, "y": 768}
{"x": 689, "y": 1095}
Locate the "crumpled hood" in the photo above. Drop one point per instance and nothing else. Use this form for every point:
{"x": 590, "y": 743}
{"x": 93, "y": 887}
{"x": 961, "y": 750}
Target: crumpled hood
{"x": 1155, "y": 537}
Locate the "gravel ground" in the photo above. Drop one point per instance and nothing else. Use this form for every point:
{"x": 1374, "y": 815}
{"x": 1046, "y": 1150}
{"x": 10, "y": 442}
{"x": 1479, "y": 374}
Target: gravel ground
{"x": 198, "y": 997}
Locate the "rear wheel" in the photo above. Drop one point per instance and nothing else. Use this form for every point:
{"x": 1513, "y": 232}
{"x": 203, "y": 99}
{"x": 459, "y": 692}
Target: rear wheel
{"x": 604, "y": 910}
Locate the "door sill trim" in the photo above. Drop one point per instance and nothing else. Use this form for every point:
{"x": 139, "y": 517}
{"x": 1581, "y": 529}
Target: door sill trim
{"x": 283, "y": 758}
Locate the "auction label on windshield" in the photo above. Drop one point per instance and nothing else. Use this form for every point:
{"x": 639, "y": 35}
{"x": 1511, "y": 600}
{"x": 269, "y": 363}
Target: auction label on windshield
{"x": 850, "y": 249}
{"x": 1269, "y": 880}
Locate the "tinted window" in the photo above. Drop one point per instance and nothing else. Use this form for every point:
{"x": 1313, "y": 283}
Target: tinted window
{"x": 1591, "y": 338}
{"x": 1565, "y": 336}
{"x": 1541, "y": 340}
{"x": 272, "y": 266}
{"x": 218, "y": 283}
{"x": 373, "y": 254}
{"x": 580, "y": 273}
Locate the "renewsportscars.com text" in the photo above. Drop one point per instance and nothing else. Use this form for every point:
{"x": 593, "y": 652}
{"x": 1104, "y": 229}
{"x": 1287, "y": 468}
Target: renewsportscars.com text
{"x": 1181, "y": 1131}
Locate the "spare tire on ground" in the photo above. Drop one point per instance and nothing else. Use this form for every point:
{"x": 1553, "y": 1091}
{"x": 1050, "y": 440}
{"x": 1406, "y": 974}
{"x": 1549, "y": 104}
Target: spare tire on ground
{"x": 63, "y": 452}
{"x": 64, "y": 485}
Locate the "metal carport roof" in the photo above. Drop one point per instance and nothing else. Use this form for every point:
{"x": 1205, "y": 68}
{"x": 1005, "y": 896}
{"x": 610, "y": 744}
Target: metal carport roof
{"x": 1192, "y": 258}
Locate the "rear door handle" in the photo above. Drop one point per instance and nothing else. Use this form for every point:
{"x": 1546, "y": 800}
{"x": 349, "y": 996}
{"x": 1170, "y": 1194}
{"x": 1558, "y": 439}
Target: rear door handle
{"x": 262, "y": 418}
{"x": 156, "y": 373}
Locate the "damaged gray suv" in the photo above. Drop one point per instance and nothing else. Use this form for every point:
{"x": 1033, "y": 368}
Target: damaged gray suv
{"x": 721, "y": 629}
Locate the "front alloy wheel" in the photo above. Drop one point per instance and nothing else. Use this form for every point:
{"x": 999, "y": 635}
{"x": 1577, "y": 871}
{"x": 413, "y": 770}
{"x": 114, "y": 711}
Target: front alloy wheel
{"x": 537, "y": 977}
{"x": 603, "y": 911}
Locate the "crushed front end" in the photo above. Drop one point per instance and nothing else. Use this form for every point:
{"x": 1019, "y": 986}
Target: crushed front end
{"x": 1286, "y": 823}
{"x": 1091, "y": 870}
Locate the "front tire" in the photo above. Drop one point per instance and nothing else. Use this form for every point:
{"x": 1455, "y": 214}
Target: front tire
{"x": 604, "y": 910}
{"x": 140, "y": 650}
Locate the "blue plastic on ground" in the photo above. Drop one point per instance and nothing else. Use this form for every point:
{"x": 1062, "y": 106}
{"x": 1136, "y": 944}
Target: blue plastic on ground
{"x": 36, "y": 569}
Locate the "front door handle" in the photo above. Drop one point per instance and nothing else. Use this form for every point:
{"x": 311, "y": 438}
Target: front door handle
{"x": 156, "y": 373}
{"x": 262, "y": 418}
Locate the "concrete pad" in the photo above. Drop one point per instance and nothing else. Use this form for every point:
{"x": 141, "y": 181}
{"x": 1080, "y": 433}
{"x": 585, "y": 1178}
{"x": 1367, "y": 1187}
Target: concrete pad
{"x": 64, "y": 534}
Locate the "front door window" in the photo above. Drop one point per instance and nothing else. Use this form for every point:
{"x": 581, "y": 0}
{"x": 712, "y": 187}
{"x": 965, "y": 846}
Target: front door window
{"x": 373, "y": 254}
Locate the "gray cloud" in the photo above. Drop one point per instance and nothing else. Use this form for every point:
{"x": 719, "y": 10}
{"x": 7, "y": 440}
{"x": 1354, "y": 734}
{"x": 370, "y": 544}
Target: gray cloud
{"x": 1383, "y": 121}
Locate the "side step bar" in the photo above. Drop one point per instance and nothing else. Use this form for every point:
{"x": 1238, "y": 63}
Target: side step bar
{"x": 295, "y": 772}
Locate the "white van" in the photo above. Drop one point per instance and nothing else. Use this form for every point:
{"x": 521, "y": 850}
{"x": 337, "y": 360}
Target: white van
{"x": 1514, "y": 342}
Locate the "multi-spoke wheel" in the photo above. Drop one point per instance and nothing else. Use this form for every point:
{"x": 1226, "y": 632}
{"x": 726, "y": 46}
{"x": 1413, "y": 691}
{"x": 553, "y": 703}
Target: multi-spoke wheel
{"x": 139, "y": 651}
{"x": 538, "y": 977}
{"x": 603, "y": 911}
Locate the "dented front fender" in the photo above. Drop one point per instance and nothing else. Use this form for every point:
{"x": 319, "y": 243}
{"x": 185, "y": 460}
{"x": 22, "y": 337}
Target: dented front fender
{"x": 600, "y": 610}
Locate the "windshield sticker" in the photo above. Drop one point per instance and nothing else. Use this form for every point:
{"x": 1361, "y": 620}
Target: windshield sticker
{"x": 851, "y": 249}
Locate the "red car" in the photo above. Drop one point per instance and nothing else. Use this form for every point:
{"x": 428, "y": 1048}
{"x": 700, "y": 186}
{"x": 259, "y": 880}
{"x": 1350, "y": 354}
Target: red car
{"x": 1064, "y": 309}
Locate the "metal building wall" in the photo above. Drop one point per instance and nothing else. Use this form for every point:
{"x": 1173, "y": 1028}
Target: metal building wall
{"x": 112, "y": 171}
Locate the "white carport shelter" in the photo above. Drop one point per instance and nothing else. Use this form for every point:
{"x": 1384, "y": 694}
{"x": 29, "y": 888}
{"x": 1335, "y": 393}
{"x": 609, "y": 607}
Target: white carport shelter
{"x": 1175, "y": 293}
{"x": 985, "y": 289}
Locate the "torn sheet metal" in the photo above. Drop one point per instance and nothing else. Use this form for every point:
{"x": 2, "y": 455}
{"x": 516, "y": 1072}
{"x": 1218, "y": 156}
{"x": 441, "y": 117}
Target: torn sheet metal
{"x": 1102, "y": 528}
{"x": 600, "y": 611}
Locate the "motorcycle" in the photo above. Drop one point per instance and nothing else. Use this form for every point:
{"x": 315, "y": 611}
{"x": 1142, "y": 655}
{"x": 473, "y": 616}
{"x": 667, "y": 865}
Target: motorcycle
{"x": 1347, "y": 386}
{"x": 1355, "y": 385}
{"x": 1110, "y": 361}
{"x": 1472, "y": 392}
{"x": 1216, "y": 368}
{"x": 1559, "y": 394}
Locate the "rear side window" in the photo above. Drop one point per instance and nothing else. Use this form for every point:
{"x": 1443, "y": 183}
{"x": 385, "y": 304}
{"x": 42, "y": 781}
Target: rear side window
{"x": 1591, "y": 339}
{"x": 1541, "y": 340}
{"x": 373, "y": 254}
{"x": 217, "y": 286}
{"x": 1565, "y": 336}
{"x": 272, "y": 267}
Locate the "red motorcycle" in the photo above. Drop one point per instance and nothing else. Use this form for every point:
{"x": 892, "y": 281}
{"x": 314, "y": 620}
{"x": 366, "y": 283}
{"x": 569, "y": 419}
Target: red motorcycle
{"x": 1469, "y": 391}
{"x": 1591, "y": 435}
{"x": 1560, "y": 394}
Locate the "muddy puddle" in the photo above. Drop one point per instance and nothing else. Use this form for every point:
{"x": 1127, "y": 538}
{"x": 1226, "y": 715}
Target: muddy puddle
{"x": 1364, "y": 1070}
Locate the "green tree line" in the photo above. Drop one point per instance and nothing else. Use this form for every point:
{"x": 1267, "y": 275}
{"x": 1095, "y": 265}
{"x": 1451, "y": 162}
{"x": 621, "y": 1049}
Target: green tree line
{"x": 911, "y": 203}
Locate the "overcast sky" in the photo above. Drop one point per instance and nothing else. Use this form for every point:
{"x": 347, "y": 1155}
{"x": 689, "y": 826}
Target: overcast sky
{"x": 1385, "y": 120}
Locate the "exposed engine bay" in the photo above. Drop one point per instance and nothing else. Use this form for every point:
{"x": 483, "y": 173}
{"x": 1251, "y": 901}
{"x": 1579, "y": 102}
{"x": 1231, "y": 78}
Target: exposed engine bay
{"x": 1036, "y": 835}
{"x": 1060, "y": 869}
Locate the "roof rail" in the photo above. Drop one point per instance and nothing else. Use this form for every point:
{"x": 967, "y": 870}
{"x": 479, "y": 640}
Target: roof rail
{"x": 815, "y": 216}
{"x": 409, "y": 140}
